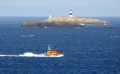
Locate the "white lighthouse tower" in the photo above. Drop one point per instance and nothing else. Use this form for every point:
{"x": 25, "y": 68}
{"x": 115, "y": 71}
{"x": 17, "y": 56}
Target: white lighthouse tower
{"x": 71, "y": 14}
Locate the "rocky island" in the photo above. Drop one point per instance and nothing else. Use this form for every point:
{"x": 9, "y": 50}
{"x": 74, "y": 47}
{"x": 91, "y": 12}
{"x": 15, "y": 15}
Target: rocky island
{"x": 64, "y": 22}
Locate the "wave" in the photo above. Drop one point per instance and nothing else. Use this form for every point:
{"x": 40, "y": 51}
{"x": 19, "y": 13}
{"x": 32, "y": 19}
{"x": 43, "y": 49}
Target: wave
{"x": 28, "y": 54}
{"x": 115, "y": 36}
{"x": 25, "y": 35}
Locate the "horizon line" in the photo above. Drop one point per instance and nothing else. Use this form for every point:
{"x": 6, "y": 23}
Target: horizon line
{"x": 59, "y": 16}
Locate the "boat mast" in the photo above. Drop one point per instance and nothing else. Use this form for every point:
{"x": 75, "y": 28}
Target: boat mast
{"x": 49, "y": 47}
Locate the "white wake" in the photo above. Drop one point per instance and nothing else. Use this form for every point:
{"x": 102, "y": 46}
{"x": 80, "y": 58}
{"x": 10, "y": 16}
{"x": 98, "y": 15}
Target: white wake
{"x": 28, "y": 54}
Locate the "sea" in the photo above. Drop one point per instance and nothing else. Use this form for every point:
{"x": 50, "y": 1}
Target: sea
{"x": 87, "y": 50}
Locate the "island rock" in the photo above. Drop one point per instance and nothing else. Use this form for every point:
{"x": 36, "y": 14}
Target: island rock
{"x": 64, "y": 22}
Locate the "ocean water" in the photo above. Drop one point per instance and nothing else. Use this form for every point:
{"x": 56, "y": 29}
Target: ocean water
{"x": 89, "y": 50}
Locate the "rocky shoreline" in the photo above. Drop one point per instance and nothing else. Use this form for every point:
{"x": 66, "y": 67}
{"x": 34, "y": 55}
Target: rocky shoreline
{"x": 64, "y": 22}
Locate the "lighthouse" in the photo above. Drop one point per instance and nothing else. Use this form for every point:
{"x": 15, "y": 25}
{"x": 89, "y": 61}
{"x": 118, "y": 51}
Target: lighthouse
{"x": 71, "y": 14}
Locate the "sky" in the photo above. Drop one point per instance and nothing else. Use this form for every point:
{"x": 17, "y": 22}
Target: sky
{"x": 41, "y": 8}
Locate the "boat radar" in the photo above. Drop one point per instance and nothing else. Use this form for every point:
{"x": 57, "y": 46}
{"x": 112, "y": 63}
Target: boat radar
{"x": 71, "y": 14}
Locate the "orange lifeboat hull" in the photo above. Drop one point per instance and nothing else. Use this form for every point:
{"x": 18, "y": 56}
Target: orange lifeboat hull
{"x": 52, "y": 53}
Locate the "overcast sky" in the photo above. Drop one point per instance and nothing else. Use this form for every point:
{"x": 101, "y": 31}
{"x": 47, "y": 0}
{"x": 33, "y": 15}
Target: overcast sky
{"x": 92, "y": 8}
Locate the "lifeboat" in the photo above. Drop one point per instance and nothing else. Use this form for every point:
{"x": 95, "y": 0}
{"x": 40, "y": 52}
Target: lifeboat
{"x": 51, "y": 52}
